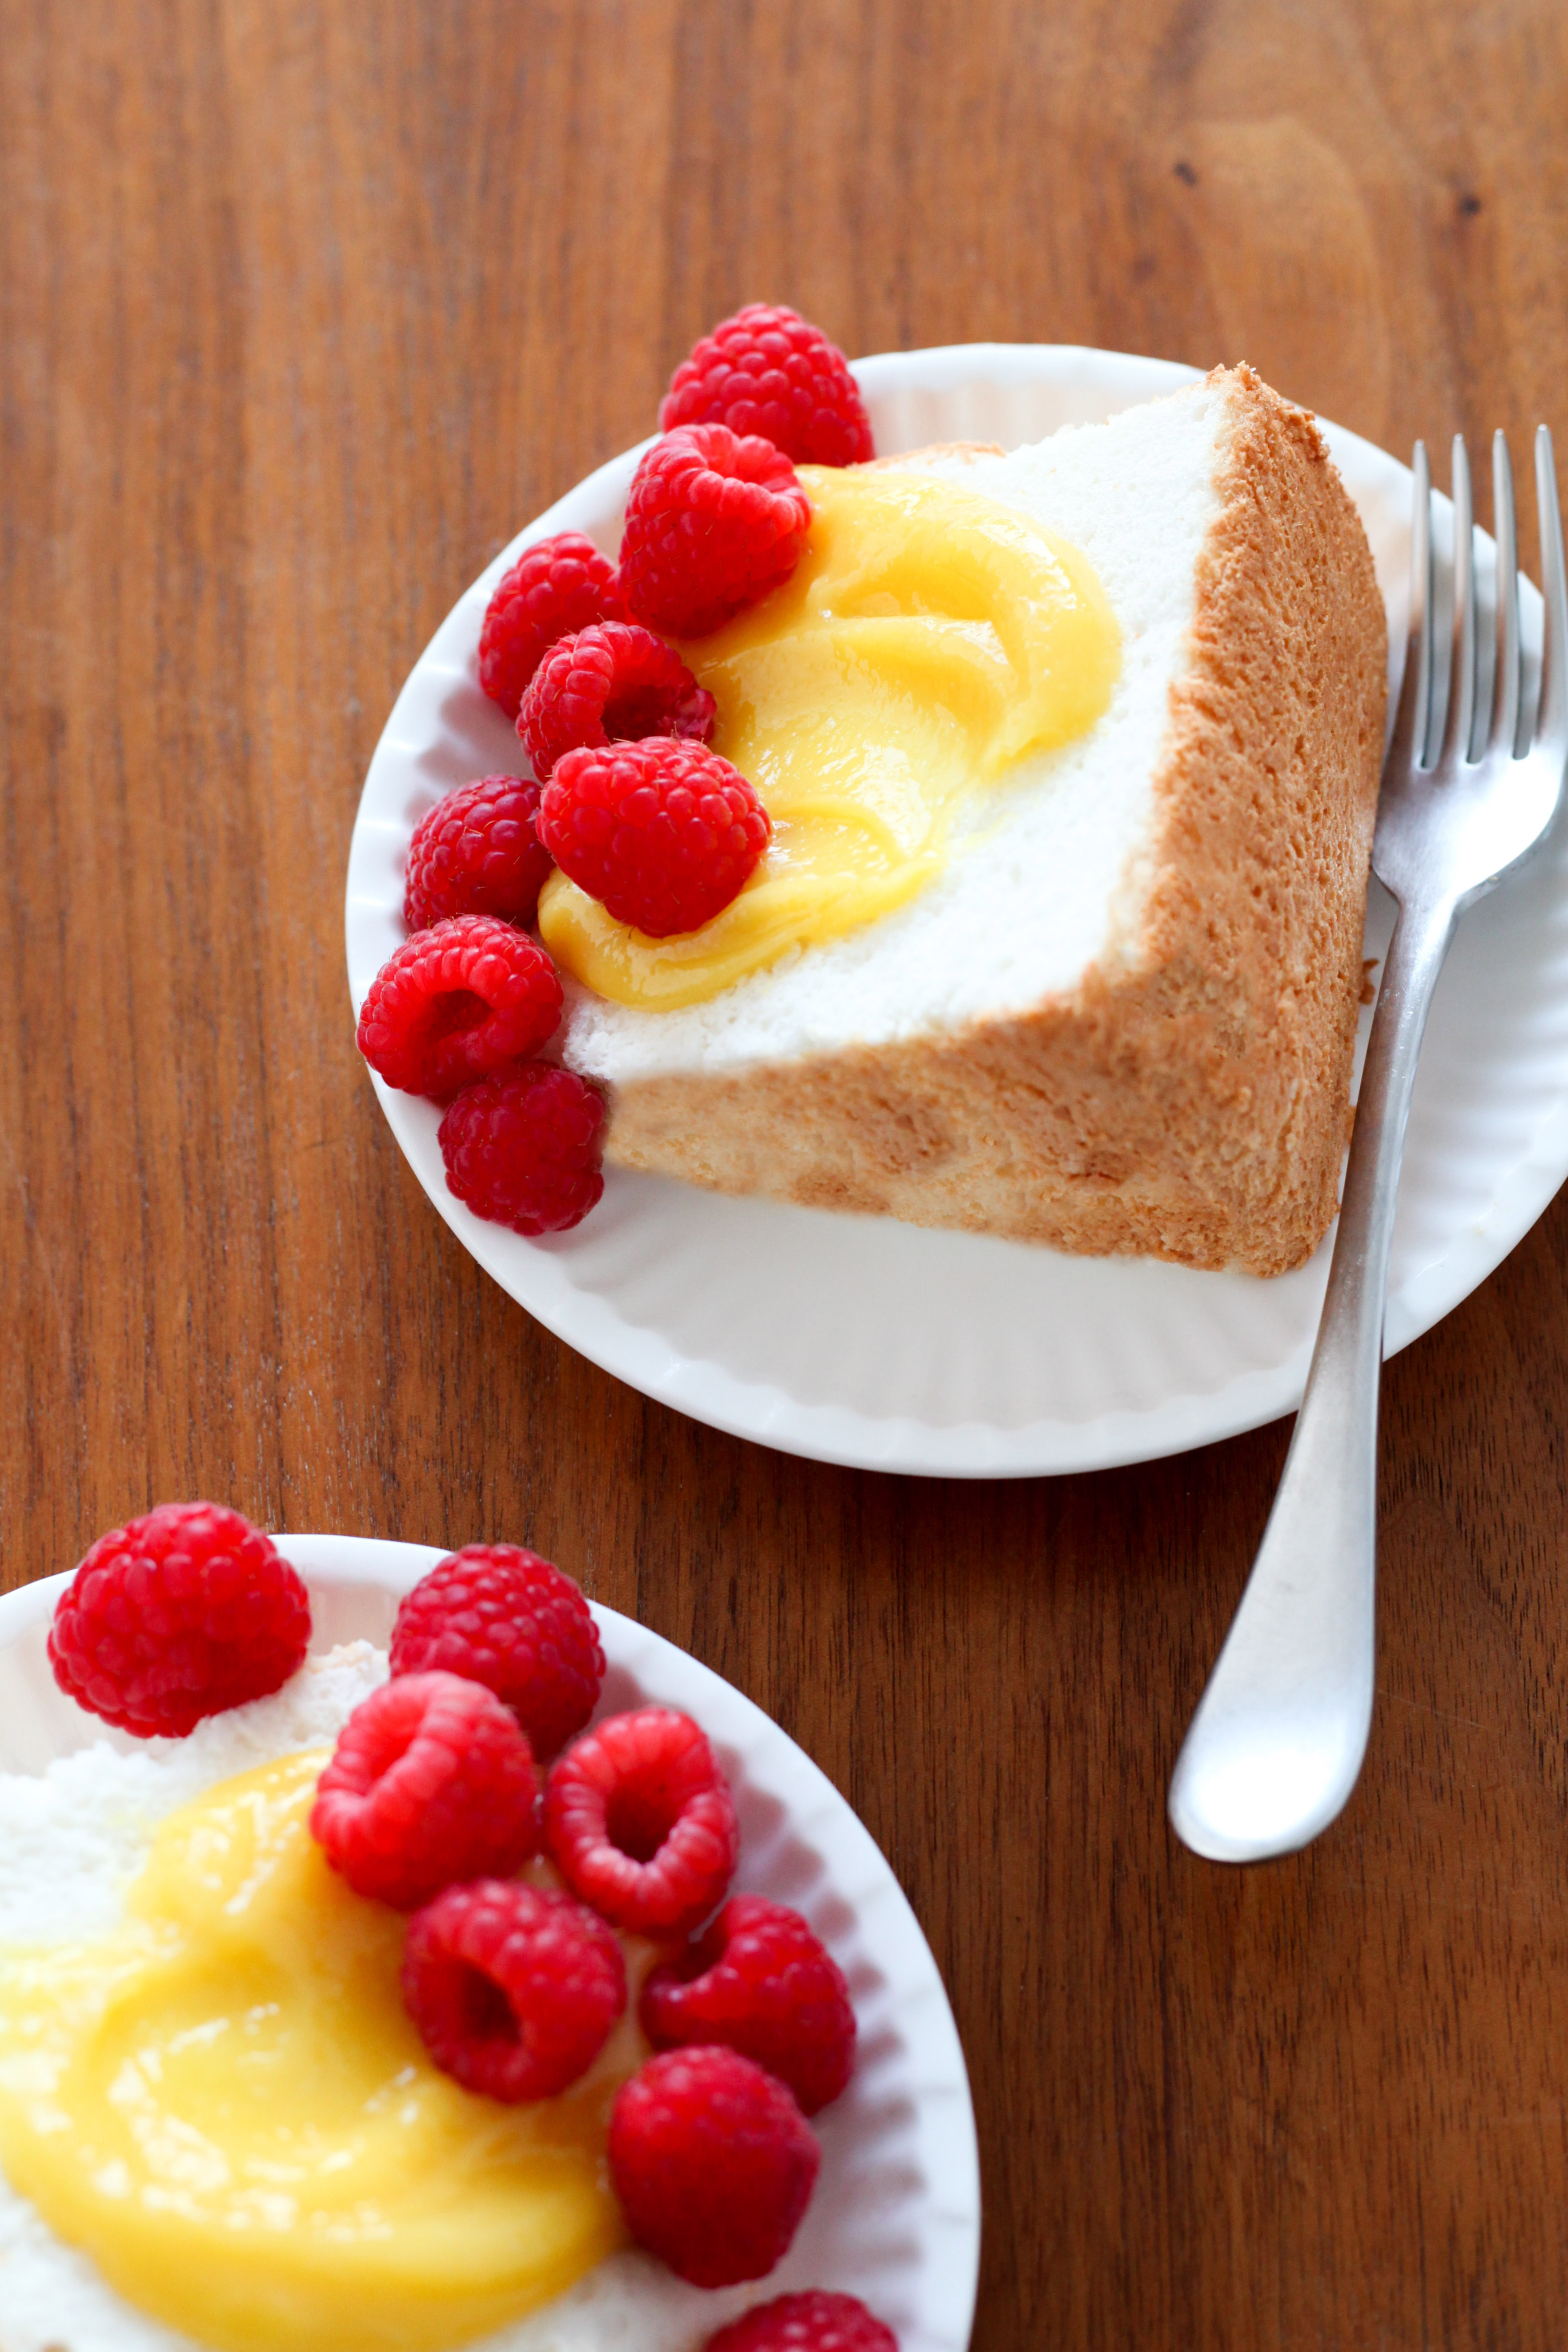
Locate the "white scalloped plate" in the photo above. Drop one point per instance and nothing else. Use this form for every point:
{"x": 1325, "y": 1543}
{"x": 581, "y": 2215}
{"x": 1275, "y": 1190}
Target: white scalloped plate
{"x": 860, "y": 1341}
{"x": 895, "y": 2217}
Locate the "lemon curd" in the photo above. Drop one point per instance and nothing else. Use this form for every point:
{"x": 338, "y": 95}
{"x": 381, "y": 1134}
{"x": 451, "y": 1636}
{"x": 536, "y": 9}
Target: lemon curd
{"x": 928, "y": 638}
{"x": 226, "y": 2105}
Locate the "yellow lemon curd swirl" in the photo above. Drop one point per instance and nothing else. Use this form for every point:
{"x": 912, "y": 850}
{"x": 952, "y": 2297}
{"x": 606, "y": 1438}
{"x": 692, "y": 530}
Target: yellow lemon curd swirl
{"x": 226, "y": 2105}
{"x": 928, "y": 638}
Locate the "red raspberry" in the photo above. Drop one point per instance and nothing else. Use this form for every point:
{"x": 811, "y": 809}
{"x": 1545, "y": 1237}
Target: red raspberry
{"x": 612, "y": 684}
{"x": 805, "y": 2323}
{"x": 514, "y": 1991}
{"x": 713, "y": 2163}
{"x": 760, "y": 1982}
{"x": 555, "y": 586}
{"x": 175, "y": 1616}
{"x": 712, "y": 522}
{"x": 666, "y": 834}
{"x": 639, "y": 1819}
{"x": 523, "y": 1149}
{"x": 431, "y": 1781}
{"x": 477, "y": 851}
{"x": 769, "y": 370}
{"x": 506, "y": 1618}
{"x": 456, "y": 1002}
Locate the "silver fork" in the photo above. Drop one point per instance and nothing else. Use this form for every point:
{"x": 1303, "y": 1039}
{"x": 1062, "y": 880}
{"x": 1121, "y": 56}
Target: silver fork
{"x": 1277, "y": 1741}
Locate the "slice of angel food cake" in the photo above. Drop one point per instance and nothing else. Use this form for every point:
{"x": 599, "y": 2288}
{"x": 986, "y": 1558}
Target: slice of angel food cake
{"x": 395, "y": 1998}
{"x": 994, "y": 855}
{"x": 1111, "y": 1002}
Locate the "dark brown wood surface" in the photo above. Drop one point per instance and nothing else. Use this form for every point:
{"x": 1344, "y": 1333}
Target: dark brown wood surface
{"x": 306, "y": 306}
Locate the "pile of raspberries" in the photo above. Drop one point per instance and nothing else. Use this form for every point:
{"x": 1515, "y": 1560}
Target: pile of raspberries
{"x": 433, "y": 1801}
{"x": 624, "y": 796}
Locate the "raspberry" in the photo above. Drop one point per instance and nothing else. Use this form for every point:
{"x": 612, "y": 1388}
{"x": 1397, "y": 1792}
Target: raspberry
{"x": 524, "y": 1148}
{"x": 606, "y": 685}
{"x": 638, "y": 1821}
{"x": 175, "y": 1616}
{"x": 805, "y": 2323}
{"x": 666, "y": 834}
{"x": 431, "y": 1781}
{"x": 456, "y": 1002}
{"x": 769, "y": 370}
{"x": 760, "y": 1982}
{"x": 712, "y": 522}
{"x": 713, "y": 2164}
{"x": 477, "y": 853}
{"x": 555, "y": 586}
{"x": 514, "y": 1991}
{"x": 506, "y": 1618}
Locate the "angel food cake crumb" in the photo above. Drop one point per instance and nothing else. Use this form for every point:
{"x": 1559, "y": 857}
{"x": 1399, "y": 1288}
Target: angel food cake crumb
{"x": 76, "y": 1837}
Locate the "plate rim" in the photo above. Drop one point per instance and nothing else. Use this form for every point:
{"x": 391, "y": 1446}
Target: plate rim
{"x": 949, "y": 2150}
{"x": 843, "y": 1434}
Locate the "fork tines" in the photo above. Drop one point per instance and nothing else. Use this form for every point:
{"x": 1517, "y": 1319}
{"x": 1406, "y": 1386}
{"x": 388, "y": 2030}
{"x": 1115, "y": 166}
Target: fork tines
{"x": 1446, "y": 693}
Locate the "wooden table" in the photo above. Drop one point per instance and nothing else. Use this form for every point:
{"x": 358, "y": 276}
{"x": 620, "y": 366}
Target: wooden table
{"x": 306, "y": 307}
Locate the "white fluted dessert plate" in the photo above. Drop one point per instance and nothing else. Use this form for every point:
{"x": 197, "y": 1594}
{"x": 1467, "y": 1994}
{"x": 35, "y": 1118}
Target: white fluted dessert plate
{"x": 895, "y": 2216}
{"x": 858, "y": 1340}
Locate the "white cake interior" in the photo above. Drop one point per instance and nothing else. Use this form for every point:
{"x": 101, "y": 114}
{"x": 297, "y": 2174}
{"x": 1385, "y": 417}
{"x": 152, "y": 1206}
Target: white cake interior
{"x": 1051, "y": 876}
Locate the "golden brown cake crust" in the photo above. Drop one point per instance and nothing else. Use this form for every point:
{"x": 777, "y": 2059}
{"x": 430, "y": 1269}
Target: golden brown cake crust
{"x": 1193, "y": 1102}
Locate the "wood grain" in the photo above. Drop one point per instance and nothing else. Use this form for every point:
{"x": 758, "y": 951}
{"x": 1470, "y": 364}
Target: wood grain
{"x": 304, "y": 308}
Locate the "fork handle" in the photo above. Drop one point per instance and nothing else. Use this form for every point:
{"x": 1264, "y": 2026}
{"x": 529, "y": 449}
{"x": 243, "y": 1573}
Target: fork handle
{"x": 1278, "y": 1737}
